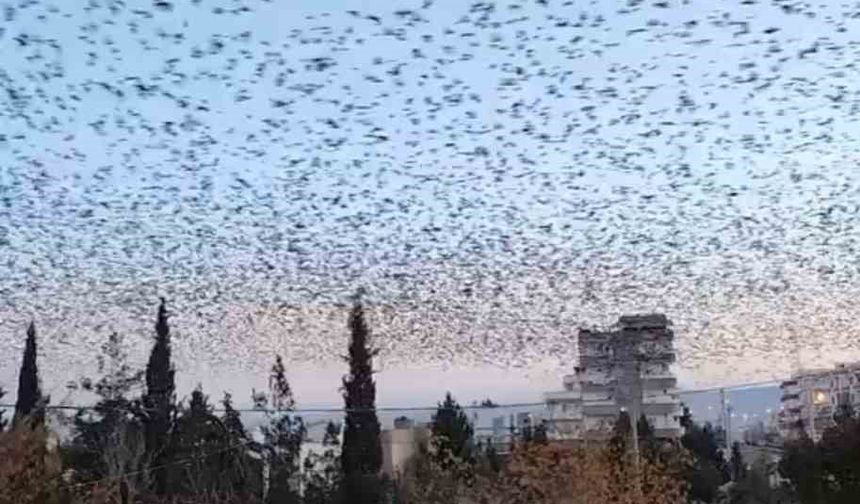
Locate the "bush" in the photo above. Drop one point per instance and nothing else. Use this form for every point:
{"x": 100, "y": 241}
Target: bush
{"x": 30, "y": 470}
{"x": 547, "y": 474}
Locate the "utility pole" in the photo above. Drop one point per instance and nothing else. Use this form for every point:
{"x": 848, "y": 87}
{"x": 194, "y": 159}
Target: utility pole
{"x": 725, "y": 422}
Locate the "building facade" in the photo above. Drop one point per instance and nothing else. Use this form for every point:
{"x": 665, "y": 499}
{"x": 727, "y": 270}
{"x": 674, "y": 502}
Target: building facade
{"x": 401, "y": 444}
{"x": 812, "y": 398}
{"x": 626, "y": 368}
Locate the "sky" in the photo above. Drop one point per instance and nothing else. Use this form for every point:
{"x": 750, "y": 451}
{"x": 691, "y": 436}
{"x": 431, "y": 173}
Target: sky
{"x": 493, "y": 175}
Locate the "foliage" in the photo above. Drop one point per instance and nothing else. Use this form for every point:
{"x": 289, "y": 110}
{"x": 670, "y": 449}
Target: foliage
{"x": 706, "y": 471}
{"x": 827, "y": 471}
{"x": 322, "y": 471}
{"x": 754, "y": 488}
{"x": 452, "y": 432}
{"x": 159, "y": 401}
{"x": 361, "y": 455}
{"x": 550, "y": 473}
{"x": 29, "y": 471}
{"x": 737, "y": 462}
{"x": 236, "y": 467}
{"x": 199, "y": 438}
{"x": 108, "y": 440}
{"x": 29, "y": 406}
{"x": 283, "y": 436}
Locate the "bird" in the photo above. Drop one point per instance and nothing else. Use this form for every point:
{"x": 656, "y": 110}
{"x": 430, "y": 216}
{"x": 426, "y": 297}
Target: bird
{"x": 484, "y": 169}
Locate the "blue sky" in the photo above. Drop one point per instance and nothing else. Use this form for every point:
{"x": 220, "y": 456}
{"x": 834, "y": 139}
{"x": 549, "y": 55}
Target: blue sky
{"x": 257, "y": 168}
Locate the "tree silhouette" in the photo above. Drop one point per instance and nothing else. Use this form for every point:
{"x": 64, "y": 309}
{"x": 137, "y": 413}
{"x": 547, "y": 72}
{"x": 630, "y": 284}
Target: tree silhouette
{"x": 158, "y": 401}
{"x": 234, "y": 472}
{"x": 707, "y": 470}
{"x": 323, "y": 470}
{"x": 283, "y": 437}
{"x": 737, "y": 466}
{"x": 452, "y": 432}
{"x": 198, "y": 434}
{"x": 107, "y": 439}
{"x": 29, "y": 407}
{"x": 2, "y": 420}
{"x": 361, "y": 457}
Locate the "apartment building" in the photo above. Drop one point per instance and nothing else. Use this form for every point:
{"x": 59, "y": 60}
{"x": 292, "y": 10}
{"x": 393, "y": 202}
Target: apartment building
{"x": 626, "y": 368}
{"x": 811, "y": 399}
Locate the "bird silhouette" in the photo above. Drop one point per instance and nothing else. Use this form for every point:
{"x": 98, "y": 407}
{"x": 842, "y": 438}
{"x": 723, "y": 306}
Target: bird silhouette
{"x": 487, "y": 170}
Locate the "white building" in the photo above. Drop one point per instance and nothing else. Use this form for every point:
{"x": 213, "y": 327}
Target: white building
{"x": 811, "y": 399}
{"x": 623, "y": 369}
{"x": 401, "y": 444}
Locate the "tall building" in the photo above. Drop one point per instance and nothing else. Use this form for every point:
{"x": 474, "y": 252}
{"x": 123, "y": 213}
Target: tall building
{"x": 623, "y": 369}
{"x": 811, "y": 399}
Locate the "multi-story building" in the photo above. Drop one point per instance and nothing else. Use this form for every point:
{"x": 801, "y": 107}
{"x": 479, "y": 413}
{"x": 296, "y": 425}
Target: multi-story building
{"x": 812, "y": 398}
{"x": 623, "y": 369}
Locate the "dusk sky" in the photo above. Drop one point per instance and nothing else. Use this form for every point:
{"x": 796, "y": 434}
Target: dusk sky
{"x": 493, "y": 176}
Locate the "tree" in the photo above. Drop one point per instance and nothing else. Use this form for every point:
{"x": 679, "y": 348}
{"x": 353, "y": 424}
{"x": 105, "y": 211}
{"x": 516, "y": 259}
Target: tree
{"x": 840, "y": 464}
{"x": 649, "y": 445}
{"x": 159, "y": 401}
{"x": 108, "y": 440}
{"x": 452, "y": 432}
{"x": 621, "y": 433}
{"x": 29, "y": 407}
{"x": 361, "y": 456}
{"x": 198, "y": 438}
{"x": 234, "y": 474}
{"x": 283, "y": 437}
{"x": 2, "y": 420}
{"x": 707, "y": 470}
{"x": 322, "y": 471}
{"x": 755, "y": 488}
{"x": 737, "y": 462}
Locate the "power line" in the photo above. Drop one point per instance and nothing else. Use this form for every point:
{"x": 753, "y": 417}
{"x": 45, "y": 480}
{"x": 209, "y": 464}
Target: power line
{"x": 383, "y": 409}
{"x": 132, "y": 409}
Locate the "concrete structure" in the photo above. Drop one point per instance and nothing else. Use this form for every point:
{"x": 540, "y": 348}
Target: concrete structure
{"x": 400, "y": 444}
{"x": 811, "y": 399}
{"x": 623, "y": 369}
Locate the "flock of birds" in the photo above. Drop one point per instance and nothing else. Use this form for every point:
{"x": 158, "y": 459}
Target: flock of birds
{"x": 493, "y": 174}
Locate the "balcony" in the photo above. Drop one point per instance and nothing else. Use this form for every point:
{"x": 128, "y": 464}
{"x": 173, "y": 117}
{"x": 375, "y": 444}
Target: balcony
{"x": 660, "y": 408}
{"x": 563, "y": 396}
{"x": 659, "y": 382}
{"x": 603, "y": 408}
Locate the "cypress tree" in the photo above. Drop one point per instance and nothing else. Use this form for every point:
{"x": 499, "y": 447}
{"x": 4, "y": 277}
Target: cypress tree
{"x": 158, "y": 401}
{"x": 361, "y": 456}
{"x": 29, "y": 405}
